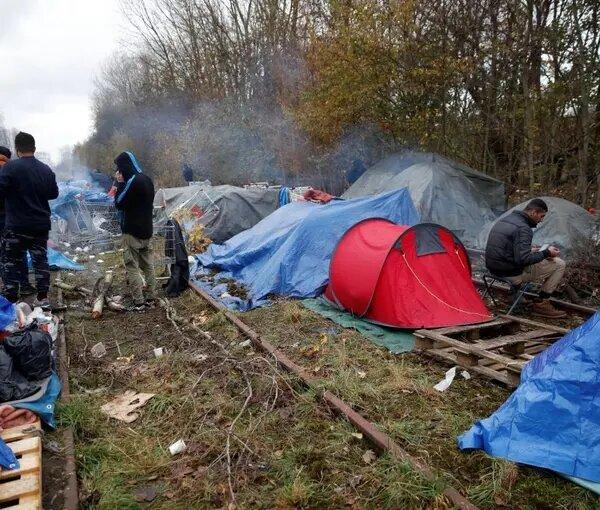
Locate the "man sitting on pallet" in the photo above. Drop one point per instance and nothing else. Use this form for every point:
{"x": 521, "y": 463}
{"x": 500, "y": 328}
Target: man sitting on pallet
{"x": 509, "y": 255}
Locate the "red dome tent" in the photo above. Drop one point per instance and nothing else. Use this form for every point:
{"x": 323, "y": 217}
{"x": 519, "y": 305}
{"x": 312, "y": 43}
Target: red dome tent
{"x": 404, "y": 277}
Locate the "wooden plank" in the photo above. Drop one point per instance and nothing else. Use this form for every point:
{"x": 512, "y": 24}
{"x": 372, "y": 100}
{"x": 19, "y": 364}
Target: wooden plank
{"x": 485, "y": 371}
{"x": 29, "y": 444}
{"x": 28, "y": 484}
{"x": 536, "y": 324}
{"x": 29, "y": 462}
{"x": 510, "y": 364}
{"x": 21, "y": 431}
{"x": 470, "y": 327}
{"x": 28, "y": 503}
{"x": 502, "y": 341}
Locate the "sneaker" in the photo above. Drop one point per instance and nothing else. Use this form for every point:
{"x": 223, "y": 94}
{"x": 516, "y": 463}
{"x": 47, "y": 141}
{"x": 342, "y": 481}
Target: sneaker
{"x": 545, "y": 309}
{"x": 44, "y": 304}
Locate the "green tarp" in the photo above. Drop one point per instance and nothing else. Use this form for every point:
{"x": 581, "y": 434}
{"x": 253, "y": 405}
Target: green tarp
{"x": 396, "y": 340}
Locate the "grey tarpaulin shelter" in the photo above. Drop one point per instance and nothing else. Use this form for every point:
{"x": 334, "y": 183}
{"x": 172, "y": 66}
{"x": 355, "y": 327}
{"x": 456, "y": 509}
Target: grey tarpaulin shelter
{"x": 565, "y": 225}
{"x": 443, "y": 191}
{"x": 225, "y": 210}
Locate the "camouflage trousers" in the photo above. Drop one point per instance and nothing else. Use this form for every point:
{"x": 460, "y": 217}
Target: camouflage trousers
{"x": 137, "y": 257}
{"x": 14, "y": 252}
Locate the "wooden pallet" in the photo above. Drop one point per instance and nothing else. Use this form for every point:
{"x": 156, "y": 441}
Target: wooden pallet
{"x": 21, "y": 489}
{"x": 497, "y": 349}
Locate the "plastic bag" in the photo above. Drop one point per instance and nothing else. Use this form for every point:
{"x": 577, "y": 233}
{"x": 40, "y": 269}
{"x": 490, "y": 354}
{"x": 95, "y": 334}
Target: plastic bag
{"x": 13, "y": 385}
{"x": 31, "y": 351}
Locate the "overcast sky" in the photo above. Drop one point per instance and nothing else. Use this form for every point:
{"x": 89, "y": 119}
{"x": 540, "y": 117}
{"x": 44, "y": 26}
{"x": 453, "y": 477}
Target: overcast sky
{"x": 50, "y": 51}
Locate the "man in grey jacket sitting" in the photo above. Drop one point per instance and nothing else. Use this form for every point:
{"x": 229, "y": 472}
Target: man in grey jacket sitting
{"x": 509, "y": 254}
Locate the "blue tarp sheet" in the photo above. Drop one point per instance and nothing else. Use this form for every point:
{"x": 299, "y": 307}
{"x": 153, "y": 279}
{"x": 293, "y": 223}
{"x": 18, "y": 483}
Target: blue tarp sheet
{"x": 45, "y": 406}
{"x": 288, "y": 252}
{"x": 69, "y": 192}
{"x": 60, "y": 260}
{"x": 552, "y": 420}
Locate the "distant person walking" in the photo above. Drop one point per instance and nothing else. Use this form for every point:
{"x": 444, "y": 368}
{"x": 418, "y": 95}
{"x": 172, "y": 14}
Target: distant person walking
{"x": 135, "y": 199}
{"x": 355, "y": 171}
{"x": 188, "y": 173}
{"x": 26, "y": 185}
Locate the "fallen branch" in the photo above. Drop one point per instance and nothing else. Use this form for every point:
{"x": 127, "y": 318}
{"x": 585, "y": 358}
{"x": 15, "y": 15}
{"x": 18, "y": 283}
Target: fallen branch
{"x": 100, "y": 299}
{"x": 72, "y": 288}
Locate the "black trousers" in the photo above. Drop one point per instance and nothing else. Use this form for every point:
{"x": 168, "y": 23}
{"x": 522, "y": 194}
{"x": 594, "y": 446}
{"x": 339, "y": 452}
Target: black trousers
{"x": 15, "y": 248}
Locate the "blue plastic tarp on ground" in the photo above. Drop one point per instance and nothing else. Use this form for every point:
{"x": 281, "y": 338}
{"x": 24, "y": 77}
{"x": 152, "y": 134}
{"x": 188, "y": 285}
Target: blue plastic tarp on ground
{"x": 288, "y": 252}
{"x": 552, "y": 420}
{"x": 44, "y": 406}
{"x": 59, "y": 260}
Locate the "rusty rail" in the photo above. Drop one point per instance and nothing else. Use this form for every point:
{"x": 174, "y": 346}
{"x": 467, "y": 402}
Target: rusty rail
{"x": 71, "y": 493}
{"x": 381, "y": 440}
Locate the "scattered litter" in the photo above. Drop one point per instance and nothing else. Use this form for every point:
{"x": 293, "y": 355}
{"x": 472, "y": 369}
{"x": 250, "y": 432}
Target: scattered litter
{"x": 98, "y": 350}
{"x": 78, "y": 249}
{"x": 361, "y": 374}
{"x": 225, "y": 295}
{"x": 445, "y": 383}
{"x": 357, "y": 435}
{"x": 100, "y": 261}
{"x": 369, "y": 456}
{"x": 177, "y": 447}
{"x": 52, "y": 447}
{"x": 92, "y": 257}
{"x": 145, "y": 494}
{"x": 159, "y": 351}
{"x": 245, "y": 343}
{"x": 86, "y": 249}
{"x": 122, "y": 407}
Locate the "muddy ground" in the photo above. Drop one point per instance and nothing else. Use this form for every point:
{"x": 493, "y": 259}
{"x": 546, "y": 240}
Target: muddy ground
{"x": 255, "y": 437}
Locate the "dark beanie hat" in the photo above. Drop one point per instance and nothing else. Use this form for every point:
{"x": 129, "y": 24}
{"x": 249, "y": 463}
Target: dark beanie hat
{"x": 5, "y": 151}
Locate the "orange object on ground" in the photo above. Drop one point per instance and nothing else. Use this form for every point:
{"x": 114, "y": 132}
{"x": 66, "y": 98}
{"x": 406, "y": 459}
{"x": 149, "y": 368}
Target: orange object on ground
{"x": 316, "y": 195}
{"x": 13, "y": 417}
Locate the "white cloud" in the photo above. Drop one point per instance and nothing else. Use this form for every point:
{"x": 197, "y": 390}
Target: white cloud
{"x": 50, "y": 53}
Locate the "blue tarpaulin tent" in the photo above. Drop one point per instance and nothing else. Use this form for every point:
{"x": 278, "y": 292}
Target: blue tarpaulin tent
{"x": 288, "y": 252}
{"x": 552, "y": 420}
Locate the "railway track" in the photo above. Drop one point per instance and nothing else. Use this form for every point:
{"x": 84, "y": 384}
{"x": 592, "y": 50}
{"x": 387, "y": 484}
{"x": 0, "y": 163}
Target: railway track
{"x": 379, "y": 439}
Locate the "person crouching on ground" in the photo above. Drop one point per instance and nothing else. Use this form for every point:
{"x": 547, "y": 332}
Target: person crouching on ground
{"x": 26, "y": 185}
{"x": 509, "y": 254}
{"x": 134, "y": 198}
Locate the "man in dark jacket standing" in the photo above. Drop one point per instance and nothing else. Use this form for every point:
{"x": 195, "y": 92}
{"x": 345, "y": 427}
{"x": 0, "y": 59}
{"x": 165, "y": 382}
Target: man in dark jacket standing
{"x": 135, "y": 200}
{"x": 26, "y": 185}
{"x": 509, "y": 254}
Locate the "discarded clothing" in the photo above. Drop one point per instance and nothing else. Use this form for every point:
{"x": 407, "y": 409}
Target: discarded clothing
{"x": 552, "y": 420}
{"x": 288, "y": 252}
{"x": 11, "y": 416}
{"x": 316, "y": 195}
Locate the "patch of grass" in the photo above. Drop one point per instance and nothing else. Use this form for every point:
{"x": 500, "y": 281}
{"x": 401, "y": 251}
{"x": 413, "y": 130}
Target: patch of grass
{"x": 286, "y": 451}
